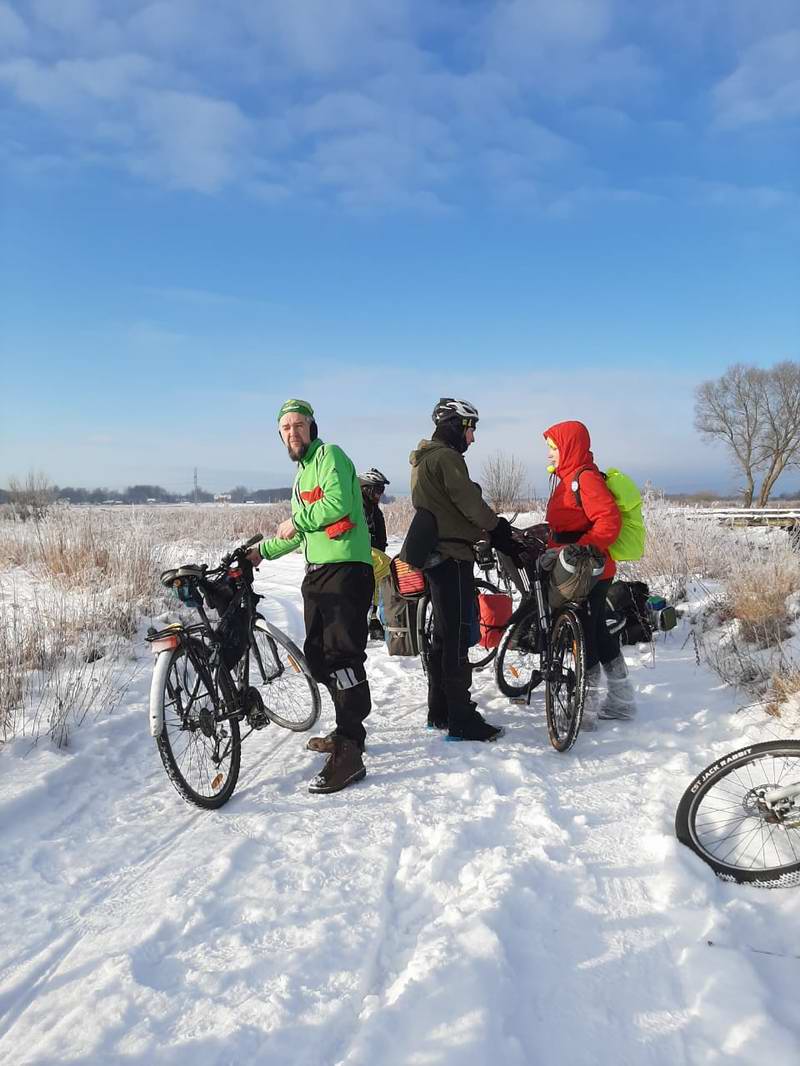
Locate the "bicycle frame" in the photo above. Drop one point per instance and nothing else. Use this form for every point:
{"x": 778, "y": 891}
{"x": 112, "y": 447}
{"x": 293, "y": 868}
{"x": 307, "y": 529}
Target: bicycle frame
{"x": 234, "y": 683}
{"x": 239, "y": 682}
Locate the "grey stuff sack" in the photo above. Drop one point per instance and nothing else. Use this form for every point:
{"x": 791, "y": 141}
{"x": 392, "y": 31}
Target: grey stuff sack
{"x": 399, "y": 618}
{"x": 574, "y": 571}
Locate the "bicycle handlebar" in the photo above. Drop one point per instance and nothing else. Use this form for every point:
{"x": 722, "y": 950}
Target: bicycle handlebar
{"x": 239, "y": 553}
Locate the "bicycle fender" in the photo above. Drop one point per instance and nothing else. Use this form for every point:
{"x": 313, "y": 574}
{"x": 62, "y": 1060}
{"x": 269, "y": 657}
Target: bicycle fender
{"x": 157, "y": 686}
{"x": 267, "y": 627}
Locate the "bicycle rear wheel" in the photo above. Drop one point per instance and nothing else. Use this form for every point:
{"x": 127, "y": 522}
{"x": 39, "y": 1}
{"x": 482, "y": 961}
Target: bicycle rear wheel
{"x": 723, "y": 818}
{"x": 518, "y": 660}
{"x": 565, "y": 681}
{"x": 278, "y": 670}
{"x": 200, "y": 753}
{"x": 478, "y": 655}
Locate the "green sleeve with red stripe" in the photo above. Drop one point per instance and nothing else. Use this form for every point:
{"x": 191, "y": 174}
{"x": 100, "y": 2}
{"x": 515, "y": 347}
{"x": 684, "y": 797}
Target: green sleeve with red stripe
{"x": 330, "y": 497}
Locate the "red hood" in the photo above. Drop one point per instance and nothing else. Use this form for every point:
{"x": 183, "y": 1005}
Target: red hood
{"x": 574, "y": 446}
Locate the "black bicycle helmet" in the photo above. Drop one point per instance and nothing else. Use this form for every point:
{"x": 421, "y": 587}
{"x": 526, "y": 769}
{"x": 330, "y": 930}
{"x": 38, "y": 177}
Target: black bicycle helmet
{"x": 448, "y": 409}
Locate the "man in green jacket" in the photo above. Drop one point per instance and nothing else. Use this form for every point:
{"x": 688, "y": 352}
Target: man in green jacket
{"x": 328, "y": 522}
{"x": 440, "y": 483}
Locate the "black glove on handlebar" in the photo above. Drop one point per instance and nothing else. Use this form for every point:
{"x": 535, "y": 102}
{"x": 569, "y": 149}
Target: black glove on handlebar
{"x": 501, "y": 537}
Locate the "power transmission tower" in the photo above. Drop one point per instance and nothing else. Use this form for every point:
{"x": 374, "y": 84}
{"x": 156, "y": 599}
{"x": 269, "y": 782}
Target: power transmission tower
{"x": 195, "y": 484}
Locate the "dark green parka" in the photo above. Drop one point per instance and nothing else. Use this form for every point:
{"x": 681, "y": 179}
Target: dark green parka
{"x": 440, "y": 482}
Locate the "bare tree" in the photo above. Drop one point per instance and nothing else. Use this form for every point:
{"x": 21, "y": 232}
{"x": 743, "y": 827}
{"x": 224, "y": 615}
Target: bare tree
{"x": 730, "y": 410}
{"x": 31, "y": 498}
{"x": 779, "y": 439}
{"x": 503, "y": 476}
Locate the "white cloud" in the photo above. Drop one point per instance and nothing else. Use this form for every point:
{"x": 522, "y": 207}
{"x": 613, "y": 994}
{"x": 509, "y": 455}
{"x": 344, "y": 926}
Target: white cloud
{"x": 749, "y": 197}
{"x": 565, "y": 49}
{"x": 370, "y": 103}
{"x": 765, "y": 87}
{"x": 73, "y": 84}
{"x": 14, "y": 32}
{"x": 190, "y": 141}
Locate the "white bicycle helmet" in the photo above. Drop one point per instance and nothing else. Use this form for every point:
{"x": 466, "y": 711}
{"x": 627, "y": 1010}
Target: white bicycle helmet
{"x": 448, "y": 408}
{"x": 373, "y": 478}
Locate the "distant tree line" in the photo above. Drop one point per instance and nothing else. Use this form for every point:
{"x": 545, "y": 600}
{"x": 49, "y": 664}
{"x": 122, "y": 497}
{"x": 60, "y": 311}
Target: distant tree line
{"x": 31, "y": 497}
{"x": 157, "y": 494}
{"x": 755, "y": 414}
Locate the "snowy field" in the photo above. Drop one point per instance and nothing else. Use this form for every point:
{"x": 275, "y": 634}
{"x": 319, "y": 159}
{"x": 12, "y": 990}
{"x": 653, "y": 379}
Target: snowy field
{"x": 465, "y": 905}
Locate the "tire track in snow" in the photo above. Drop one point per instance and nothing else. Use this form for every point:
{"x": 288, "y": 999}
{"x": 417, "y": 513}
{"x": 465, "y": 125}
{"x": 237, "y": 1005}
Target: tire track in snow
{"x": 103, "y": 909}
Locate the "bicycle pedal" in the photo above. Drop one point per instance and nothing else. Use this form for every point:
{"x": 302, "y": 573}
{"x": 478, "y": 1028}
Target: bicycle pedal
{"x": 257, "y": 719}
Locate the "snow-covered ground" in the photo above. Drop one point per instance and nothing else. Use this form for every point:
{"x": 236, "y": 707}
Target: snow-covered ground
{"x": 465, "y": 904}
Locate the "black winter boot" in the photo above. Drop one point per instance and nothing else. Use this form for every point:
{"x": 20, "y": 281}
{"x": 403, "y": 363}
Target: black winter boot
{"x": 474, "y": 727}
{"x": 344, "y": 767}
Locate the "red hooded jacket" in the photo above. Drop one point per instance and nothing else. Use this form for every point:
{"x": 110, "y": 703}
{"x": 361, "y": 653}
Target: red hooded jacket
{"x": 598, "y": 520}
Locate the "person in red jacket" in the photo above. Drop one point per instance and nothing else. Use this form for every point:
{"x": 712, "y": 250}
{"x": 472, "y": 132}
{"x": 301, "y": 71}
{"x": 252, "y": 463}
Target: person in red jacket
{"x": 581, "y": 510}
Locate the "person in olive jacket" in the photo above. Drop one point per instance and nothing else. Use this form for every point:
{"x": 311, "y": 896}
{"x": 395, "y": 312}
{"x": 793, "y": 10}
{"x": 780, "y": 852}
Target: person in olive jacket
{"x": 328, "y": 522}
{"x": 440, "y": 484}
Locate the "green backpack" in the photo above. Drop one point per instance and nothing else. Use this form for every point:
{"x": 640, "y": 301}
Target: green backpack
{"x": 629, "y": 545}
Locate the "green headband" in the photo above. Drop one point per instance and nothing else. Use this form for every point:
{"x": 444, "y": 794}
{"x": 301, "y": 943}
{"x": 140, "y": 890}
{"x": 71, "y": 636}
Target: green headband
{"x": 298, "y": 407}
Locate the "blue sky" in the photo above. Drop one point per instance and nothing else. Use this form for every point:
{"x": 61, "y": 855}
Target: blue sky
{"x": 560, "y": 210}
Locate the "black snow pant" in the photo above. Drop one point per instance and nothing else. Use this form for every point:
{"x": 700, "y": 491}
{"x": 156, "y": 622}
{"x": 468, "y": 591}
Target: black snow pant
{"x": 601, "y": 646}
{"x": 452, "y": 589}
{"x": 336, "y": 601}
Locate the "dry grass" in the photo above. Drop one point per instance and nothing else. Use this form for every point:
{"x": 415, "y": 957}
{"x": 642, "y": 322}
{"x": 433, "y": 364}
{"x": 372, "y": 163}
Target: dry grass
{"x": 758, "y": 587}
{"x": 94, "y": 573}
{"x": 784, "y": 687}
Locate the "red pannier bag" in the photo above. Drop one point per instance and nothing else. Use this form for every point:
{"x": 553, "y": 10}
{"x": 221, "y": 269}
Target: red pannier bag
{"x": 494, "y": 610}
{"x": 408, "y": 581}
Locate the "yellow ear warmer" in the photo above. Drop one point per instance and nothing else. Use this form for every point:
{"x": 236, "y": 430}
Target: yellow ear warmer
{"x": 551, "y": 470}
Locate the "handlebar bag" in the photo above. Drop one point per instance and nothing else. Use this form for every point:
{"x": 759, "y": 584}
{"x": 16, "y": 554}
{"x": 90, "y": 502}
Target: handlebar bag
{"x": 574, "y": 571}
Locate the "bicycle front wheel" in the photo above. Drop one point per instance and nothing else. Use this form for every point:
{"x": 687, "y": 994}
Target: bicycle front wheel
{"x": 200, "y": 753}
{"x": 278, "y": 670}
{"x": 565, "y": 681}
{"x": 724, "y": 818}
{"x": 518, "y": 660}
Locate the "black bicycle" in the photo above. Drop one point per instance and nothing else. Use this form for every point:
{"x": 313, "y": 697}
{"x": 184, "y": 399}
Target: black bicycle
{"x": 544, "y": 645}
{"x": 211, "y": 679}
{"x": 741, "y": 815}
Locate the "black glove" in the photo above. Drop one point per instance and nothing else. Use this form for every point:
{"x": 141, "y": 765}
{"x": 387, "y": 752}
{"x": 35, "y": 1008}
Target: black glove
{"x": 501, "y": 537}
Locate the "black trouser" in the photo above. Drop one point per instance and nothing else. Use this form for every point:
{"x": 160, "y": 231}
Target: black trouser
{"x": 601, "y": 646}
{"x": 452, "y": 588}
{"x": 336, "y": 599}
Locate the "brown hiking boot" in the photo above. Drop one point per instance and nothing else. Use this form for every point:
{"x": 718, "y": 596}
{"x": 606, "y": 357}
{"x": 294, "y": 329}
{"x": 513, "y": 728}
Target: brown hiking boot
{"x": 327, "y": 743}
{"x": 344, "y": 767}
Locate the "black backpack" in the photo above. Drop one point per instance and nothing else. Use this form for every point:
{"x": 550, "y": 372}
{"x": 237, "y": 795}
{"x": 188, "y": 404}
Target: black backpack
{"x": 628, "y": 613}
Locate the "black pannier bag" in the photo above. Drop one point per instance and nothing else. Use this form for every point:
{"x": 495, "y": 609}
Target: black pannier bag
{"x": 399, "y": 618}
{"x": 628, "y": 612}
